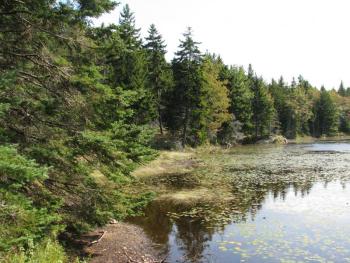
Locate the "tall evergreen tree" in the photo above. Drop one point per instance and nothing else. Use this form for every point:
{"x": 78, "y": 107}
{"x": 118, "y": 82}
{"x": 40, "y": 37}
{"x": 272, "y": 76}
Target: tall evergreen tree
{"x": 262, "y": 107}
{"x": 341, "y": 90}
{"x": 128, "y": 30}
{"x": 279, "y": 93}
{"x": 185, "y": 98}
{"x": 130, "y": 68}
{"x": 327, "y": 115}
{"x": 240, "y": 96}
{"x": 159, "y": 75}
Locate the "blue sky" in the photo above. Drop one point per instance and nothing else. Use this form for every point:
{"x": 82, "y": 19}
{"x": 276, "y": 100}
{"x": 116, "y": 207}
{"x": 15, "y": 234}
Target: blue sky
{"x": 278, "y": 37}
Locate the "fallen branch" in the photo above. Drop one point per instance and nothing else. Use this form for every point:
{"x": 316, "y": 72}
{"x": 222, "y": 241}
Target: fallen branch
{"x": 98, "y": 240}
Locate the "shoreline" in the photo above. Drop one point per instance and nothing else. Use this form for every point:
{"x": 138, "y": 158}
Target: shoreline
{"x": 120, "y": 242}
{"x": 164, "y": 176}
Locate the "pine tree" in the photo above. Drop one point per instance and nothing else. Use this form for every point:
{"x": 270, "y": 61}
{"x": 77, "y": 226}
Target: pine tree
{"x": 240, "y": 97}
{"x": 59, "y": 104}
{"x": 184, "y": 100}
{"x": 327, "y": 115}
{"x": 262, "y": 107}
{"x": 341, "y": 90}
{"x": 128, "y": 30}
{"x": 159, "y": 75}
{"x": 129, "y": 67}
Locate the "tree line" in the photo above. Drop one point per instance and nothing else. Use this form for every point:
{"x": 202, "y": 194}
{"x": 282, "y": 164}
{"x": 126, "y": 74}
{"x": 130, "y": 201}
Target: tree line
{"x": 81, "y": 107}
{"x": 198, "y": 99}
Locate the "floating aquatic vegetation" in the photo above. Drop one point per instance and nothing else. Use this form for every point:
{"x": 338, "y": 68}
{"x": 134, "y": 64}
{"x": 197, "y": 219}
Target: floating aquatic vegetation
{"x": 258, "y": 204}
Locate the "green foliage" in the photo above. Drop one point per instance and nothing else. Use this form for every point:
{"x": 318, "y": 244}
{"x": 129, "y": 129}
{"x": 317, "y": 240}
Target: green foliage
{"x": 23, "y": 218}
{"x": 327, "y": 118}
{"x": 160, "y": 75}
{"x": 240, "y": 96}
{"x": 183, "y": 101}
{"x": 62, "y": 105}
{"x": 341, "y": 90}
{"x": 80, "y": 105}
{"x": 295, "y": 107}
{"x": 214, "y": 100}
{"x": 46, "y": 251}
{"x": 262, "y": 107}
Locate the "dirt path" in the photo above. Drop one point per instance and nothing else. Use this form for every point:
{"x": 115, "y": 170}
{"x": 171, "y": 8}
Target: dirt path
{"x": 121, "y": 243}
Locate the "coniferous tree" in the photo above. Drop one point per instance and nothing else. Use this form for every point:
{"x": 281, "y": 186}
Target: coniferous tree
{"x": 279, "y": 93}
{"x": 341, "y": 90}
{"x": 67, "y": 114}
{"x": 262, "y": 107}
{"x": 76, "y": 102}
{"x": 347, "y": 93}
{"x": 240, "y": 97}
{"x": 327, "y": 115}
{"x": 159, "y": 75}
{"x": 185, "y": 97}
{"x": 263, "y": 111}
{"x": 344, "y": 120}
{"x": 130, "y": 68}
{"x": 129, "y": 33}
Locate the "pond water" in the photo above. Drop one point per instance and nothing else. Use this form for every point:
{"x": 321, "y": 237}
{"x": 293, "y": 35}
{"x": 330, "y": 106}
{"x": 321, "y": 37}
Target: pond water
{"x": 289, "y": 204}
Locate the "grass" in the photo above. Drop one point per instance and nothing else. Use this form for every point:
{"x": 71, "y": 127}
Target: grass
{"x": 190, "y": 176}
{"x": 47, "y": 251}
{"x": 168, "y": 162}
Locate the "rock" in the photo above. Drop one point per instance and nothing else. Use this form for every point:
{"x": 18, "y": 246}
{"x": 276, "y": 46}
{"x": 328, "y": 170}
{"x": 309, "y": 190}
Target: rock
{"x": 113, "y": 221}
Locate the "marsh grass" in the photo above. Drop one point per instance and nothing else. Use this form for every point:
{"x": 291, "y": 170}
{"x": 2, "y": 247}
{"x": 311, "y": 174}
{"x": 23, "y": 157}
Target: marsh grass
{"x": 217, "y": 185}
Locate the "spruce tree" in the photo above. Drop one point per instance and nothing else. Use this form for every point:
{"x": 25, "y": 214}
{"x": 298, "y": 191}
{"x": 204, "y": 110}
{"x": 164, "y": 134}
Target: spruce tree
{"x": 240, "y": 96}
{"x": 262, "y": 107}
{"x": 130, "y": 68}
{"x": 159, "y": 72}
{"x": 185, "y": 98}
{"x": 327, "y": 115}
{"x": 128, "y": 30}
{"x": 341, "y": 90}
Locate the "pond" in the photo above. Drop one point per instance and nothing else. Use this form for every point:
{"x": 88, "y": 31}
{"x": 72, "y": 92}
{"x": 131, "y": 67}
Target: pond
{"x": 288, "y": 204}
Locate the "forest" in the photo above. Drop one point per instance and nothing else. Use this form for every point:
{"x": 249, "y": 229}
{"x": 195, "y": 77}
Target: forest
{"x": 80, "y": 102}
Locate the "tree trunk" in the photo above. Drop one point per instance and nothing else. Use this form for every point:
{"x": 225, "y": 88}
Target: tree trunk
{"x": 160, "y": 120}
{"x": 184, "y": 134}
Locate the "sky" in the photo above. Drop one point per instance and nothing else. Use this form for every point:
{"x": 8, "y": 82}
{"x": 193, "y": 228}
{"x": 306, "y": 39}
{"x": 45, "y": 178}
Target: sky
{"x": 278, "y": 37}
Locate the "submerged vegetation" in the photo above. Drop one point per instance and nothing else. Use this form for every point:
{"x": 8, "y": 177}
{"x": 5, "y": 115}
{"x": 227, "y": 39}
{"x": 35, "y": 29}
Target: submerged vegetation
{"x": 235, "y": 181}
{"x": 81, "y": 107}
{"x": 224, "y": 211}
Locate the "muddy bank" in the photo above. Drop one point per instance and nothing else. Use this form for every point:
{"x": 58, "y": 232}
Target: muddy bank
{"x": 122, "y": 243}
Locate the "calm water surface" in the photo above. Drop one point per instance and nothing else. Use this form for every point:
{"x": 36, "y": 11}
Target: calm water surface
{"x": 291, "y": 204}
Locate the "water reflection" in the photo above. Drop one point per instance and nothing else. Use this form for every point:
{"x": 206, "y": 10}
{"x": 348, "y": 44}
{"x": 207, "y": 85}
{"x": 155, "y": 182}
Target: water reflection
{"x": 283, "y": 209}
